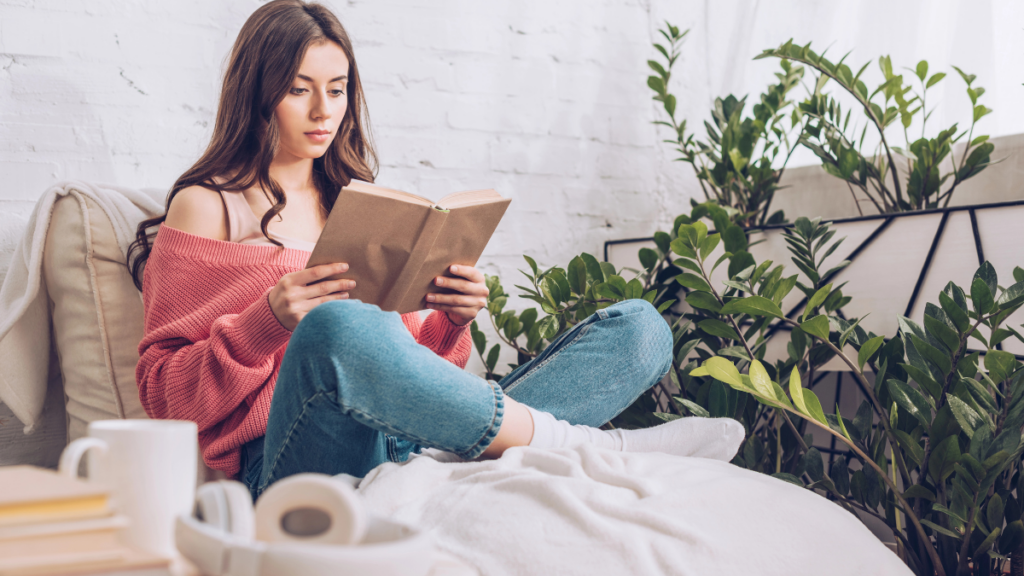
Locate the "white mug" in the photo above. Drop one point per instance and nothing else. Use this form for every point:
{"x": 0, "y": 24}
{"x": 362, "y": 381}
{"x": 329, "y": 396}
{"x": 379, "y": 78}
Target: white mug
{"x": 149, "y": 466}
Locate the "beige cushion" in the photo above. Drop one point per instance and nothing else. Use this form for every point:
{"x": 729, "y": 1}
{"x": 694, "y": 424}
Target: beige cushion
{"x": 97, "y": 314}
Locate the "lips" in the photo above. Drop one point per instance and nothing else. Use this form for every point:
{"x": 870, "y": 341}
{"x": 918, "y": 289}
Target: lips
{"x": 318, "y": 136}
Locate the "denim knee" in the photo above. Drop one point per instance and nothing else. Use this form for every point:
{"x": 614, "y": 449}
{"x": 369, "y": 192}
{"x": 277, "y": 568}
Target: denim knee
{"x": 646, "y": 336}
{"x": 341, "y": 327}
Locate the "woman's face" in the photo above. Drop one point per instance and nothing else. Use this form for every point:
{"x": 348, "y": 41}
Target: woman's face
{"x": 310, "y": 114}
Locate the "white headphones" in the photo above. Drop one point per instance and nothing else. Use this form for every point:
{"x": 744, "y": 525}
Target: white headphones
{"x": 306, "y": 524}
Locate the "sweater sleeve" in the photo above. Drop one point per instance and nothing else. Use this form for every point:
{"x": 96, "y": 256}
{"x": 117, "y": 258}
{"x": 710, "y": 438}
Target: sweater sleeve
{"x": 446, "y": 338}
{"x": 206, "y": 380}
{"x": 211, "y": 342}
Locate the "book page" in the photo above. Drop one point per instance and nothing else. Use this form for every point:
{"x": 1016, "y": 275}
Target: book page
{"x": 366, "y": 187}
{"x": 469, "y": 198}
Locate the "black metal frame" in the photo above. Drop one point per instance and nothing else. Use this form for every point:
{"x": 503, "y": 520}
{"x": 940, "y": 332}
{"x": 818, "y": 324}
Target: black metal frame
{"x": 971, "y": 209}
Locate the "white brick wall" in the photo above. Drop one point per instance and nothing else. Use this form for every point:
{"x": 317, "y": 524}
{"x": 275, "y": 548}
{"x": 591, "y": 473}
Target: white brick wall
{"x": 544, "y": 101}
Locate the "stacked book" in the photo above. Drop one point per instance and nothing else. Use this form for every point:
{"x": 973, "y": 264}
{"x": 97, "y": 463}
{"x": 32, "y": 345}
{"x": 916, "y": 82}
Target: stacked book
{"x": 53, "y": 525}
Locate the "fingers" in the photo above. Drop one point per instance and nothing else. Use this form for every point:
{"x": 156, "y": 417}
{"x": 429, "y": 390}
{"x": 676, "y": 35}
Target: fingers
{"x": 468, "y": 272}
{"x": 328, "y": 287}
{"x": 310, "y": 275}
{"x": 462, "y": 300}
{"x": 464, "y": 286}
{"x": 337, "y": 296}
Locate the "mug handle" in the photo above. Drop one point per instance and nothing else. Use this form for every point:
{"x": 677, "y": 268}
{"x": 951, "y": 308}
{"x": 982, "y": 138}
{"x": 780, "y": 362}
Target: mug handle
{"x": 73, "y": 453}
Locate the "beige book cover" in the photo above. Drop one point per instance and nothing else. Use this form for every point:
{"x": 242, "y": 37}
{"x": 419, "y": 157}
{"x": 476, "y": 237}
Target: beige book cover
{"x": 396, "y": 243}
{"x": 32, "y": 494}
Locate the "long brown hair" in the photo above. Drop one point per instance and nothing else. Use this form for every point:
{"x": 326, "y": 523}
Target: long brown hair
{"x": 264, "y": 62}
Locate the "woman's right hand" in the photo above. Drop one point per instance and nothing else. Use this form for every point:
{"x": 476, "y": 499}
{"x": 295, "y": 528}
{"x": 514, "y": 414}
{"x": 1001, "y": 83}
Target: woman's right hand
{"x": 295, "y": 294}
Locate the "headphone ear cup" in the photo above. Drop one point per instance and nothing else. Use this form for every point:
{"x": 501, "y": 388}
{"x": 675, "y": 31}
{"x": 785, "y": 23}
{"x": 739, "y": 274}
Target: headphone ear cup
{"x": 240, "y": 511}
{"x": 212, "y": 507}
{"x": 227, "y": 506}
{"x": 310, "y": 508}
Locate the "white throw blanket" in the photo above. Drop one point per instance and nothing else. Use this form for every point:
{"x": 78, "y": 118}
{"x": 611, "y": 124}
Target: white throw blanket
{"x": 590, "y": 512}
{"x": 24, "y": 308}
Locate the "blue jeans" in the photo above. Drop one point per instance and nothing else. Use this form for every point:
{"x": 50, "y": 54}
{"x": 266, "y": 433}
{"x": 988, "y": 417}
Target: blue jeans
{"x": 356, "y": 390}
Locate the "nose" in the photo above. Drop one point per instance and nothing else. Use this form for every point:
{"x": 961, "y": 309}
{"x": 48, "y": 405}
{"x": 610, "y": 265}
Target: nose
{"x": 320, "y": 110}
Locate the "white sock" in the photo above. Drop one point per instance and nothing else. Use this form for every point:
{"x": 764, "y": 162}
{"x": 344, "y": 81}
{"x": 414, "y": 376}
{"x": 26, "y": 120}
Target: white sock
{"x": 717, "y": 438}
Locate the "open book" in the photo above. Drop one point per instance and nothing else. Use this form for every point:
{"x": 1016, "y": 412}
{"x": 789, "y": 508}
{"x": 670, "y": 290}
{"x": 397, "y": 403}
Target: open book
{"x": 396, "y": 243}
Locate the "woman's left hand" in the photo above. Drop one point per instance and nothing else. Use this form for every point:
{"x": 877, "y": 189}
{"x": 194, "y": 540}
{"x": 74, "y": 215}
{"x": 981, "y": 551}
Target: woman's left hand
{"x": 461, "y": 308}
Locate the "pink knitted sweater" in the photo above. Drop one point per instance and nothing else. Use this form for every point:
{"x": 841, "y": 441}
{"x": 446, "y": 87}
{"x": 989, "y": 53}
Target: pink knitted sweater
{"x": 212, "y": 346}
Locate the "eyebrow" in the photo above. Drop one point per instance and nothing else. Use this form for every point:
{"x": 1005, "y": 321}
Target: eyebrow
{"x": 308, "y": 79}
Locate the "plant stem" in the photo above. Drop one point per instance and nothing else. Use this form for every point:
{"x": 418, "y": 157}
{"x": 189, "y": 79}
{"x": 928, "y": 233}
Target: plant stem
{"x": 874, "y": 402}
{"x": 778, "y": 443}
{"x": 929, "y": 547}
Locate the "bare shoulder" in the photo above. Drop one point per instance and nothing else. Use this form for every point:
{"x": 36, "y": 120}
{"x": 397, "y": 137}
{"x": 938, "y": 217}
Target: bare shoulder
{"x": 199, "y": 211}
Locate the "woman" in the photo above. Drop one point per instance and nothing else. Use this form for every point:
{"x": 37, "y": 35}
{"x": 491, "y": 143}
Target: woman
{"x": 352, "y": 387}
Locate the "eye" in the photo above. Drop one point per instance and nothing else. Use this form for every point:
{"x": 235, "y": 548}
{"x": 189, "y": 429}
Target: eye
{"x": 297, "y": 91}
{"x": 338, "y": 92}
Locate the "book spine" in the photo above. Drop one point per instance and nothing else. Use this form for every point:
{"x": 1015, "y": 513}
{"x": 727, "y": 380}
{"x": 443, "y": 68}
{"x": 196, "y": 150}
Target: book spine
{"x": 421, "y": 249}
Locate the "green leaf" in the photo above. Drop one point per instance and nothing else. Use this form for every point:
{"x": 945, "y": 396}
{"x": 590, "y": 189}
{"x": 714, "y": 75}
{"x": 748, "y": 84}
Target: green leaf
{"x": 593, "y": 268}
{"x": 735, "y": 239}
{"x": 550, "y": 289}
{"x": 1012, "y": 537}
{"x": 787, "y": 477}
{"x": 718, "y": 328}
{"x": 910, "y": 400}
{"x": 817, "y": 299}
{"x": 1000, "y": 365}
{"x": 966, "y": 417}
{"x": 532, "y": 263}
{"x": 760, "y": 379}
{"x": 680, "y": 247}
{"x": 1013, "y": 296}
{"x": 957, "y": 314}
{"x": 704, "y": 301}
{"x": 981, "y": 296}
{"x": 618, "y": 284}
{"x": 752, "y": 305}
{"x": 987, "y": 542}
{"x": 919, "y": 491}
{"x": 693, "y": 282}
{"x": 479, "y": 340}
{"x": 935, "y": 79}
{"x": 492, "y": 357}
{"x": 944, "y": 457}
{"x": 941, "y": 530}
{"x": 648, "y": 259}
{"x": 937, "y": 328}
{"x": 994, "y": 511}
{"x": 868, "y": 350}
{"x": 693, "y": 407}
{"x": 923, "y": 379}
{"x": 796, "y": 388}
{"x": 814, "y": 407}
{"x": 724, "y": 371}
{"x": 910, "y": 446}
{"x": 842, "y": 424}
{"x": 577, "y": 274}
{"x": 708, "y": 245}
{"x": 932, "y": 354}
{"x": 701, "y": 371}
{"x": 817, "y": 326}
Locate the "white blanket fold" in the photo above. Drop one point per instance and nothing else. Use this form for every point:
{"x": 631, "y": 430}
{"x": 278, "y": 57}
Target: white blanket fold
{"x": 589, "y": 511}
{"x": 24, "y": 306}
